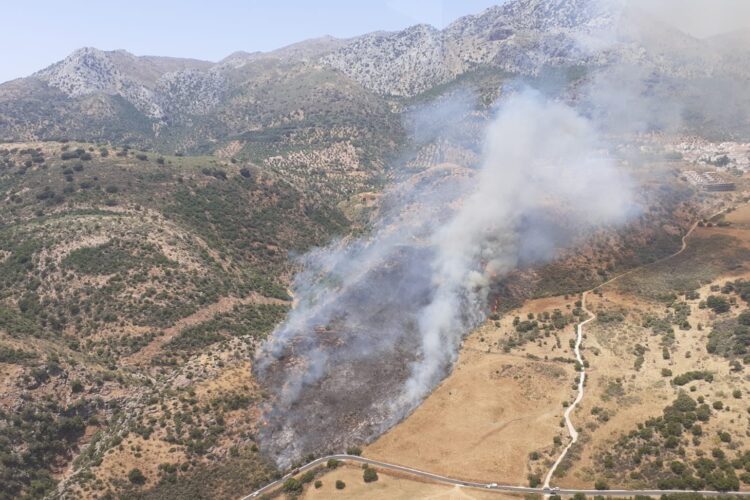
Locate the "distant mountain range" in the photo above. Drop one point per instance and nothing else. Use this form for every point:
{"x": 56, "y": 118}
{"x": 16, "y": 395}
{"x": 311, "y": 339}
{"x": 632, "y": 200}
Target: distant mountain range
{"x": 192, "y": 105}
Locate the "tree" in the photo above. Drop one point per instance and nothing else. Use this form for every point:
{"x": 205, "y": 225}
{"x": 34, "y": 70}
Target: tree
{"x": 136, "y": 476}
{"x": 340, "y": 485}
{"x": 601, "y": 484}
{"x": 370, "y": 475}
{"x": 354, "y": 450}
{"x": 717, "y": 304}
{"x": 292, "y": 485}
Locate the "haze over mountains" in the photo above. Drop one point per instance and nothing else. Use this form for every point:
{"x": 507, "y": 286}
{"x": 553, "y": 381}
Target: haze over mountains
{"x": 197, "y": 105}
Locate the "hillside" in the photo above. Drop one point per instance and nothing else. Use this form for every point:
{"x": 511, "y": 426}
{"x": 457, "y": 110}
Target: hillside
{"x": 131, "y": 281}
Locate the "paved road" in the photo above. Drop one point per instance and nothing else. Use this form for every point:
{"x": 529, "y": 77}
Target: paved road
{"x": 500, "y": 488}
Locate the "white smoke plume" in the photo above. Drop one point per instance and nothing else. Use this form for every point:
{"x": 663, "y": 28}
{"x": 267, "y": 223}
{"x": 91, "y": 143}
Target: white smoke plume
{"x": 540, "y": 156}
{"x": 420, "y": 281}
{"x": 378, "y": 320}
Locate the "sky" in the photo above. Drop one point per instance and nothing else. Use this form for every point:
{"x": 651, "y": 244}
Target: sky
{"x": 37, "y": 33}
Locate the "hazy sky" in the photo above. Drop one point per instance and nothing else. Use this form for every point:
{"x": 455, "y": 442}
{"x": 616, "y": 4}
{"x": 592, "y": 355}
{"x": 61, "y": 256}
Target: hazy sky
{"x": 701, "y": 18}
{"x": 36, "y": 33}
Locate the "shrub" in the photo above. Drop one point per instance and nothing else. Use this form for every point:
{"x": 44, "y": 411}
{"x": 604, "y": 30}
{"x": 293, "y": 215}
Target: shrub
{"x": 370, "y": 475}
{"x": 307, "y": 477}
{"x": 333, "y": 463}
{"x": 354, "y": 450}
{"x": 340, "y": 485}
{"x": 76, "y": 386}
{"x": 135, "y": 476}
{"x": 292, "y": 485}
{"x": 601, "y": 484}
{"x": 318, "y": 484}
{"x": 688, "y": 377}
{"x": 717, "y": 304}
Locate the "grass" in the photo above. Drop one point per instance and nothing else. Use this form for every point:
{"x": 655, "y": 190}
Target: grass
{"x": 254, "y": 320}
{"x": 704, "y": 259}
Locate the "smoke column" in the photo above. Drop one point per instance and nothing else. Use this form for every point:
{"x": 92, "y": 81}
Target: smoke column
{"x": 395, "y": 305}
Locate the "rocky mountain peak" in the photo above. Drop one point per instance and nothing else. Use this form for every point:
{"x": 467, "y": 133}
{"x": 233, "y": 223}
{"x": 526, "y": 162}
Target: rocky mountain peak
{"x": 85, "y": 71}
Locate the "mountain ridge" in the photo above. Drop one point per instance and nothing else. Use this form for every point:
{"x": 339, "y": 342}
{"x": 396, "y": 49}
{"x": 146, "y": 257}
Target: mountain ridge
{"x": 168, "y": 97}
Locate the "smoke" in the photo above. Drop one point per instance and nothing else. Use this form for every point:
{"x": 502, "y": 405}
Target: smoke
{"x": 420, "y": 281}
{"x": 378, "y": 320}
{"x": 541, "y": 158}
{"x": 661, "y": 78}
{"x": 700, "y": 18}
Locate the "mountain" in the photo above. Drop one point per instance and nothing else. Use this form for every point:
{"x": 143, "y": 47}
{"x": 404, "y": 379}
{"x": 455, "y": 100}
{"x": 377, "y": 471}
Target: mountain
{"x": 518, "y": 37}
{"x": 197, "y": 106}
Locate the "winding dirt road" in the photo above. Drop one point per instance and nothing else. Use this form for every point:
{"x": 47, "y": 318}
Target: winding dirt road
{"x": 581, "y": 379}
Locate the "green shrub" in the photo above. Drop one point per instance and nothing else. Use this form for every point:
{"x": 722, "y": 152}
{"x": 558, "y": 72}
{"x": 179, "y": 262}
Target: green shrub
{"x": 292, "y": 485}
{"x": 717, "y": 304}
{"x": 135, "y": 476}
{"x": 688, "y": 377}
{"x": 370, "y": 475}
{"x": 340, "y": 485}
